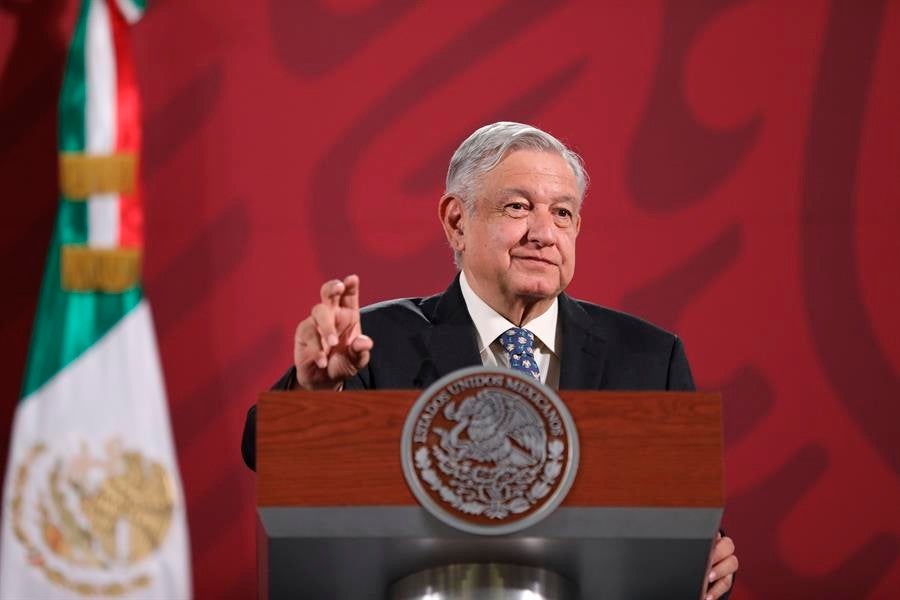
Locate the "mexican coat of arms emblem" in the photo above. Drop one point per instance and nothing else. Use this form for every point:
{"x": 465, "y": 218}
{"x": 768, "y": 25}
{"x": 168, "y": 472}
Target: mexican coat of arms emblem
{"x": 489, "y": 450}
{"x": 88, "y": 521}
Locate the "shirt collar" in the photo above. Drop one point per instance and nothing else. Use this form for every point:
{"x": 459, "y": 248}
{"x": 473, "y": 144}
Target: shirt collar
{"x": 490, "y": 324}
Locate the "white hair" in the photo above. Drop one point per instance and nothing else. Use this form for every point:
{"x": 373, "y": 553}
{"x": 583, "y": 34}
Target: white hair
{"x": 489, "y": 145}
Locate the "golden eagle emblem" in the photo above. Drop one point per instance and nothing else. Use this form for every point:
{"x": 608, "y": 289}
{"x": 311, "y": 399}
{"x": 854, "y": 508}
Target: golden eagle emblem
{"x": 96, "y": 511}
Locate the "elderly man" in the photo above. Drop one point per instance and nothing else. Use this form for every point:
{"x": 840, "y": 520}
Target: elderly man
{"x": 511, "y": 214}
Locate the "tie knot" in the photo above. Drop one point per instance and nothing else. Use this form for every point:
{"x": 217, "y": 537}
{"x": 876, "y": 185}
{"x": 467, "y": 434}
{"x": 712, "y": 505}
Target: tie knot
{"x": 519, "y": 345}
{"x": 517, "y": 340}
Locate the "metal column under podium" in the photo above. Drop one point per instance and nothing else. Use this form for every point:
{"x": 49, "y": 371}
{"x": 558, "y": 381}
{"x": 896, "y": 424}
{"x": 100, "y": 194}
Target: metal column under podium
{"x": 482, "y": 581}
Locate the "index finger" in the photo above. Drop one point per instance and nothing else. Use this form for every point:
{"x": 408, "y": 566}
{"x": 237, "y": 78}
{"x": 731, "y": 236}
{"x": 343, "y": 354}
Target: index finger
{"x": 350, "y": 297}
{"x": 331, "y": 291}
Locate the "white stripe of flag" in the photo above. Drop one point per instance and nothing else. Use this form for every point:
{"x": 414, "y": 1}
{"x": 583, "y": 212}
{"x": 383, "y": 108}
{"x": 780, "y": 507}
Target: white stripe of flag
{"x": 100, "y": 120}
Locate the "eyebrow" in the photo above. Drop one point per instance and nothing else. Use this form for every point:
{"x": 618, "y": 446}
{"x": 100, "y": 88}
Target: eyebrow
{"x": 507, "y": 192}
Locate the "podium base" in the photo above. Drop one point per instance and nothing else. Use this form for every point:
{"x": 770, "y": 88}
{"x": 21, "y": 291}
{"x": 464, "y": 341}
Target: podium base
{"x": 482, "y": 582}
{"x": 615, "y": 553}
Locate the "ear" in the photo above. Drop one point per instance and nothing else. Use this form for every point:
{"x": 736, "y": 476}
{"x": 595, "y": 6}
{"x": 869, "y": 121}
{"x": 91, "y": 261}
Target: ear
{"x": 453, "y": 218}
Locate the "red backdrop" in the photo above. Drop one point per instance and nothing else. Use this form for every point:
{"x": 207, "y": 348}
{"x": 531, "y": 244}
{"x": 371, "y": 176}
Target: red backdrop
{"x": 745, "y": 193}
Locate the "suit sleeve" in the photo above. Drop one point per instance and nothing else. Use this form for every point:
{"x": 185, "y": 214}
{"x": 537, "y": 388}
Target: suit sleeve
{"x": 248, "y": 440}
{"x": 679, "y": 377}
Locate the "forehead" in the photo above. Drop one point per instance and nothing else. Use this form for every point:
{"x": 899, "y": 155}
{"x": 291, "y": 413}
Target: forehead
{"x": 539, "y": 172}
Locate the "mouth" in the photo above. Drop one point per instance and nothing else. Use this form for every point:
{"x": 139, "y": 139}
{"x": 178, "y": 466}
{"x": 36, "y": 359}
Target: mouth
{"x": 536, "y": 260}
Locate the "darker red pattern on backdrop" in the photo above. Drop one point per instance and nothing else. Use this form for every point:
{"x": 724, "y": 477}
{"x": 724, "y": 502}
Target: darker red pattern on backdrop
{"x": 739, "y": 154}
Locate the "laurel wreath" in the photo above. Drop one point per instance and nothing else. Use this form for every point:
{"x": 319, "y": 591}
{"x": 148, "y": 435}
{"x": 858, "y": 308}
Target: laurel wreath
{"x": 493, "y": 492}
{"x": 36, "y": 558}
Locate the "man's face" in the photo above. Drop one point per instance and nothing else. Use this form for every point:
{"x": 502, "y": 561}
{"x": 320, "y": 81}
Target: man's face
{"x": 519, "y": 243}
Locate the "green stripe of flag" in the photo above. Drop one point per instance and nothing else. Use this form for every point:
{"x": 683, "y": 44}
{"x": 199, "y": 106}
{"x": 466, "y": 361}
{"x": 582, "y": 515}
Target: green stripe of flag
{"x": 74, "y": 88}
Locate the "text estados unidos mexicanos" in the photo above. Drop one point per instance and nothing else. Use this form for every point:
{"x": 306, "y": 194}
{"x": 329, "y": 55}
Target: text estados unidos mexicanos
{"x": 486, "y": 381}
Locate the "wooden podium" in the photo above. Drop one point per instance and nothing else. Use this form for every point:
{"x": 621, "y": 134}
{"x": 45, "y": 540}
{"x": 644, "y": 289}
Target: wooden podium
{"x": 337, "y": 519}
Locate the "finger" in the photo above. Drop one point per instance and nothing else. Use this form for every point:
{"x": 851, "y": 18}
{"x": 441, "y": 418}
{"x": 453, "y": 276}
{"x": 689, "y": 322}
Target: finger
{"x": 724, "y": 568}
{"x": 350, "y": 296}
{"x": 348, "y": 325}
{"x": 308, "y": 345}
{"x": 723, "y": 548}
{"x": 324, "y": 318}
{"x": 360, "y": 360}
{"x": 362, "y": 342}
{"x": 331, "y": 291}
{"x": 718, "y": 590}
{"x": 359, "y": 350}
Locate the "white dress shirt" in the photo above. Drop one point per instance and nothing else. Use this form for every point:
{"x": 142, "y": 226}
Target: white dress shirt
{"x": 490, "y": 325}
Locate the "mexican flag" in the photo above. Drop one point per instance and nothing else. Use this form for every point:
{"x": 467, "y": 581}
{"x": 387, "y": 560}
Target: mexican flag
{"x": 92, "y": 500}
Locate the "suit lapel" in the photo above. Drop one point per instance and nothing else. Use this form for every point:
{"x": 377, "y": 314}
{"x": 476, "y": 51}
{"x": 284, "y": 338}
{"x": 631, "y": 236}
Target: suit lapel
{"x": 450, "y": 343}
{"x": 583, "y": 355}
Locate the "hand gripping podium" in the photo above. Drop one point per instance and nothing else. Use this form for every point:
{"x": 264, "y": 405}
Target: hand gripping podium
{"x": 337, "y": 519}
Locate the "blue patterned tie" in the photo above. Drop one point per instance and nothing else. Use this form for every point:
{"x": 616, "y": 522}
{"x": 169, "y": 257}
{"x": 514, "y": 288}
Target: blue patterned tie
{"x": 519, "y": 345}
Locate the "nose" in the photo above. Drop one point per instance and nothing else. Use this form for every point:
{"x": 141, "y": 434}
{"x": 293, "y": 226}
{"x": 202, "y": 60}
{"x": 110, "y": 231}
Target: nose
{"x": 541, "y": 227}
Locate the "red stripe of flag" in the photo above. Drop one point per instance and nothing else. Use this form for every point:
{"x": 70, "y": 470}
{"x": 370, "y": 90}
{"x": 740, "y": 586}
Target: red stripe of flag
{"x": 128, "y": 127}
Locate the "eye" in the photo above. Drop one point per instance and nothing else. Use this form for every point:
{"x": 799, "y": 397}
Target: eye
{"x": 564, "y": 215}
{"x": 516, "y": 208}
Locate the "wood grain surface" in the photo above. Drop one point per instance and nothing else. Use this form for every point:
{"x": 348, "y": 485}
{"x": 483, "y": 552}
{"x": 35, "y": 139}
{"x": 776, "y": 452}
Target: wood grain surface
{"x": 343, "y": 448}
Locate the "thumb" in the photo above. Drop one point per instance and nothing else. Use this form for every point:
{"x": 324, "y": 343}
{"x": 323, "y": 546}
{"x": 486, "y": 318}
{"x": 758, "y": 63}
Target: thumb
{"x": 359, "y": 350}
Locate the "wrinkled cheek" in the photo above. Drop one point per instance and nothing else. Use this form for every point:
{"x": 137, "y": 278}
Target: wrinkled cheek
{"x": 567, "y": 270}
{"x": 499, "y": 245}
